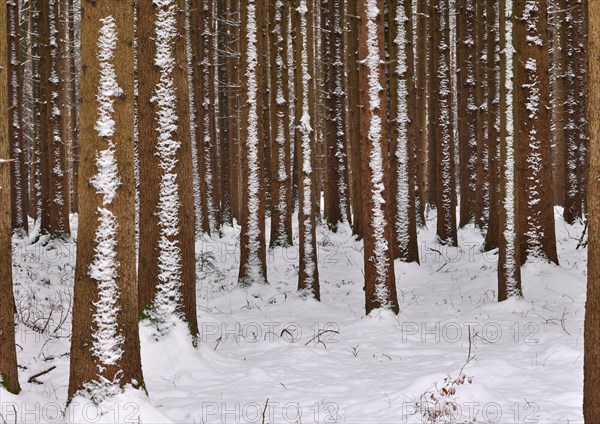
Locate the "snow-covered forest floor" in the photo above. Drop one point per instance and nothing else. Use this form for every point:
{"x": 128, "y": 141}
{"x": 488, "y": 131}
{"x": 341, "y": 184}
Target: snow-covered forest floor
{"x": 267, "y": 355}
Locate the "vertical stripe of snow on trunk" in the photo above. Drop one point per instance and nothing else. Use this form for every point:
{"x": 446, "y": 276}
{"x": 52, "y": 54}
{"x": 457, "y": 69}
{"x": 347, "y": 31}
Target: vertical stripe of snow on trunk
{"x": 107, "y": 338}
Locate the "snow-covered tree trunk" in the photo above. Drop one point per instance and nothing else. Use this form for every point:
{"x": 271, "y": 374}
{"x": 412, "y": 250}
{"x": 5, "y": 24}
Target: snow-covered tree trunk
{"x": 281, "y": 179}
{"x": 403, "y": 131}
{"x": 509, "y": 263}
{"x": 337, "y": 204}
{"x": 253, "y": 268}
{"x": 591, "y": 368}
{"x": 482, "y": 202}
{"x": 467, "y": 105}
{"x": 9, "y": 378}
{"x": 421, "y": 114}
{"x": 532, "y": 131}
{"x": 166, "y": 266}
{"x": 308, "y": 274}
{"x": 15, "y": 116}
{"x": 380, "y": 284}
{"x": 432, "y": 150}
{"x": 444, "y": 126}
{"x": 576, "y": 133}
{"x": 105, "y": 348}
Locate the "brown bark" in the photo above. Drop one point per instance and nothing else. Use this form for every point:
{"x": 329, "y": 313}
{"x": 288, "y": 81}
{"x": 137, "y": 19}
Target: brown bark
{"x": 444, "y": 133}
{"x": 466, "y": 51}
{"x": 253, "y": 268}
{"x": 421, "y": 113}
{"x": 281, "y": 181}
{"x": 35, "y": 183}
{"x": 591, "y": 367}
{"x": 432, "y": 151}
{"x": 380, "y": 284}
{"x": 8, "y": 356}
{"x": 15, "y": 116}
{"x": 532, "y": 132}
{"x": 337, "y": 205}
{"x": 403, "y": 131}
{"x": 153, "y": 174}
{"x": 509, "y": 263}
{"x": 86, "y": 367}
{"x": 493, "y": 228}
{"x": 353, "y": 115}
{"x": 558, "y": 63}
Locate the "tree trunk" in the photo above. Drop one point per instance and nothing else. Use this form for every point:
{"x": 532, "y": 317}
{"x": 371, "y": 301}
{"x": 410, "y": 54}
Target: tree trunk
{"x": 8, "y": 354}
{"x": 421, "y": 114}
{"x": 591, "y": 367}
{"x": 281, "y": 181}
{"x": 380, "y": 283}
{"x": 509, "y": 264}
{"x": 444, "y": 133}
{"x": 532, "y": 131}
{"x": 337, "y": 202}
{"x": 105, "y": 346}
{"x": 353, "y": 115}
{"x": 557, "y": 13}
{"x": 166, "y": 268}
{"x": 493, "y": 55}
{"x": 467, "y": 105}
{"x": 253, "y": 267}
{"x": 403, "y": 130}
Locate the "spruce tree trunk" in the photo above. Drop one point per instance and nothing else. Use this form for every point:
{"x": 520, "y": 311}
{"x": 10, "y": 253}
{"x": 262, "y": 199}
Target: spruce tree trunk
{"x": 532, "y": 132}
{"x": 403, "y": 130}
{"x": 308, "y": 274}
{"x": 591, "y": 368}
{"x": 558, "y": 25}
{"x": 15, "y": 118}
{"x": 337, "y": 204}
{"x": 105, "y": 346}
{"x": 8, "y": 355}
{"x": 509, "y": 263}
{"x": 444, "y": 124}
{"x": 380, "y": 283}
{"x": 281, "y": 180}
{"x": 493, "y": 55}
{"x": 432, "y": 110}
{"x": 421, "y": 114}
{"x": 253, "y": 267}
{"x": 166, "y": 268}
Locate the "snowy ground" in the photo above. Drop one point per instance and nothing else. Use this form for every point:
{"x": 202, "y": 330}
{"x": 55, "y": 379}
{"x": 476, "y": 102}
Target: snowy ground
{"x": 266, "y": 355}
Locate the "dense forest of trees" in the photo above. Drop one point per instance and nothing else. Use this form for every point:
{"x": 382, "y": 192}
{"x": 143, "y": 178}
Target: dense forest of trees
{"x": 160, "y": 122}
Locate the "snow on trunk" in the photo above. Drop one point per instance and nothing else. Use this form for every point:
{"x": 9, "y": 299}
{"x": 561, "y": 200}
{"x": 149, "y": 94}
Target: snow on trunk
{"x": 108, "y": 341}
{"x": 510, "y": 230}
{"x": 253, "y": 271}
{"x": 306, "y": 173}
{"x": 401, "y": 219}
{"x": 376, "y": 159}
{"x": 166, "y": 310}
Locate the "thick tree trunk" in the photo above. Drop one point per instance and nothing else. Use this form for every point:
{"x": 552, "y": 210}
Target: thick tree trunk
{"x": 591, "y": 367}
{"x": 166, "y": 268}
{"x": 380, "y": 283}
{"x": 8, "y": 355}
{"x": 532, "y": 132}
{"x": 105, "y": 347}
{"x": 558, "y": 24}
{"x": 432, "y": 110}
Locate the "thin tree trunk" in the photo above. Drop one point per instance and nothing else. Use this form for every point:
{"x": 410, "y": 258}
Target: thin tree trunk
{"x": 105, "y": 346}
{"x": 403, "y": 130}
{"x": 482, "y": 203}
{"x": 432, "y": 110}
{"x": 8, "y": 354}
{"x": 421, "y": 114}
{"x": 444, "y": 133}
{"x": 253, "y": 268}
{"x": 380, "y": 283}
{"x": 509, "y": 263}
